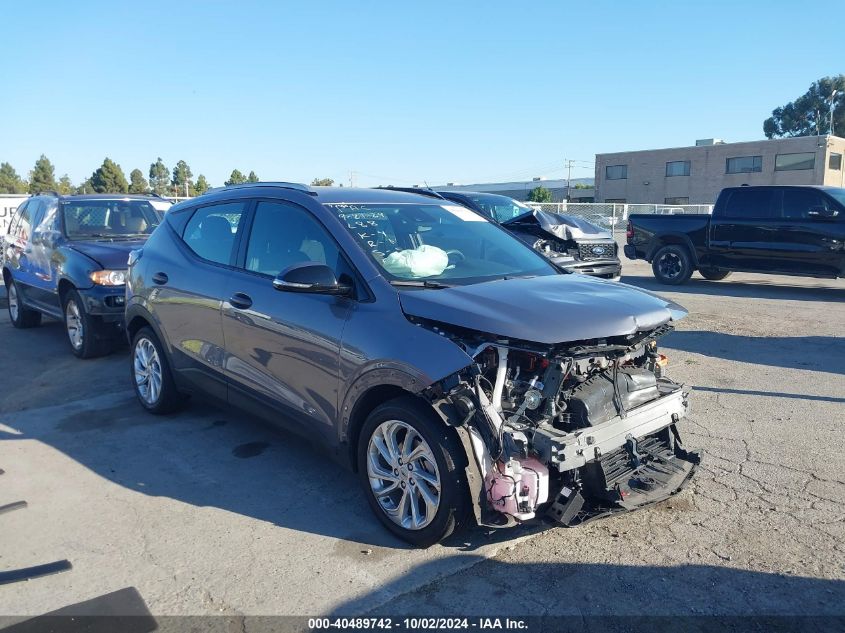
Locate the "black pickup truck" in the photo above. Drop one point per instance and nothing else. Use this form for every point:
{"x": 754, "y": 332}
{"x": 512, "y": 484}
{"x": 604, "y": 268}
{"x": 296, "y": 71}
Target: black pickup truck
{"x": 787, "y": 230}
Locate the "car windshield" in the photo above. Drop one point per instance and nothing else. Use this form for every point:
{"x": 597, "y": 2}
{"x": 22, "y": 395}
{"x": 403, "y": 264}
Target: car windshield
{"x": 109, "y": 218}
{"x": 444, "y": 243}
{"x": 500, "y": 208}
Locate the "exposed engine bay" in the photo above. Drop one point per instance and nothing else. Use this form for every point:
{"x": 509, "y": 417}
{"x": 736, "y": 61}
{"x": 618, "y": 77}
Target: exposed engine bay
{"x": 572, "y": 431}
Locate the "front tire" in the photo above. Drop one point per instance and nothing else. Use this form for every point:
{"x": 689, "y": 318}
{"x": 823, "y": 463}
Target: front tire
{"x": 21, "y": 317}
{"x": 712, "y": 274}
{"x": 151, "y": 376}
{"x": 82, "y": 329}
{"x": 411, "y": 466}
{"x": 672, "y": 265}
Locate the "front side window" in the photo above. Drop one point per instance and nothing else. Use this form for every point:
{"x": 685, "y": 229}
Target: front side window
{"x": 744, "y": 165}
{"x": 798, "y": 202}
{"x": 835, "y": 162}
{"x": 443, "y": 242}
{"x": 119, "y": 219}
{"x": 616, "y": 172}
{"x": 789, "y": 162}
{"x": 210, "y": 232}
{"x": 283, "y": 235}
{"x": 750, "y": 203}
{"x": 677, "y": 168}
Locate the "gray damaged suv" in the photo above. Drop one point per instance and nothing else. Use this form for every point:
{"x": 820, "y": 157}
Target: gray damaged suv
{"x": 458, "y": 372}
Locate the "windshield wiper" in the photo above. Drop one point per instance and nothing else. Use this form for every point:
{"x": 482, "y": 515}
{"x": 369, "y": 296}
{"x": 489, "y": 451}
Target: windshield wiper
{"x": 422, "y": 283}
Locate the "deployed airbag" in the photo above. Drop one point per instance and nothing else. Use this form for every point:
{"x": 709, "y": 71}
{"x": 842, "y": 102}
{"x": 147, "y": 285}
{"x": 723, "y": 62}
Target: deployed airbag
{"x": 425, "y": 261}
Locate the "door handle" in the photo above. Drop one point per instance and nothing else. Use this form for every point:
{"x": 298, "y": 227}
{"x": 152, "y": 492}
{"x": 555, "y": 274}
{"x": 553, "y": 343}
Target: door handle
{"x": 160, "y": 278}
{"x": 240, "y": 301}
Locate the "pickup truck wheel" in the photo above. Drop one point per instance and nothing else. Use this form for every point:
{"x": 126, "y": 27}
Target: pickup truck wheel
{"x": 20, "y": 316}
{"x": 82, "y": 329}
{"x": 411, "y": 471}
{"x": 712, "y": 274}
{"x": 672, "y": 265}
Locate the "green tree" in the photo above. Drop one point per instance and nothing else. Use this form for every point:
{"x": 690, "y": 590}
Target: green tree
{"x": 85, "y": 187}
{"x": 252, "y": 177}
{"x": 540, "y": 194}
{"x": 202, "y": 185}
{"x": 10, "y": 182}
{"x": 182, "y": 176}
{"x": 109, "y": 178}
{"x": 810, "y": 113}
{"x": 322, "y": 182}
{"x": 65, "y": 185}
{"x": 159, "y": 177}
{"x": 137, "y": 182}
{"x": 236, "y": 178}
{"x": 43, "y": 176}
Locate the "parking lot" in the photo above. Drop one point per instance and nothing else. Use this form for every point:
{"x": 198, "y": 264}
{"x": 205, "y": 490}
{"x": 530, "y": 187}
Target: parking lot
{"x": 209, "y": 512}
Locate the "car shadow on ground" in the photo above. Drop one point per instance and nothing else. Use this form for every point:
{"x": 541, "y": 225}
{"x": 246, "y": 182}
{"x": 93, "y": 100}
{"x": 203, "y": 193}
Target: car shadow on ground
{"x": 629, "y": 597}
{"x": 762, "y": 288}
{"x": 814, "y": 353}
{"x": 217, "y": 457}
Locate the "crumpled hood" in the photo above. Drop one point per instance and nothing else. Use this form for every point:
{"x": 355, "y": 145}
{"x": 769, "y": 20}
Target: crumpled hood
{"x": 564, "y": 227}
{"x": 548, "y": 310}
{"x": 109, "y": 255}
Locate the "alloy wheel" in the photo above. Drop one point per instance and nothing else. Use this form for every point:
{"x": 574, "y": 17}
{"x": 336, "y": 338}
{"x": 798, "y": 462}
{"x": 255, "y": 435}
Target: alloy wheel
{"x": 147, "y": 370}
{"x": 403, "y": 474}
{"x": 670, "y": 265}
{"x": 73, "y": 322}
{"x": 13, "y": 302}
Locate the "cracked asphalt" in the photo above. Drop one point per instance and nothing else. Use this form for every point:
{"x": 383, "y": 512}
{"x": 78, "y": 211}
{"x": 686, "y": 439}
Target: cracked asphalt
{"x": 208, "y": 512}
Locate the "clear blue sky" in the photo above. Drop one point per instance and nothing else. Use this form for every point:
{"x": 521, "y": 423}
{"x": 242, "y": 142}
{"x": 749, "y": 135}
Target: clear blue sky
{"x": 399, "y": 92}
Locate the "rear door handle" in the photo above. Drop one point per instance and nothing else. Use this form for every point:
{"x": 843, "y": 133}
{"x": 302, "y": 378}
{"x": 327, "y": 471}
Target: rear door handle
{"x": 160, "y": 278}
{"x": 240, "y": 301}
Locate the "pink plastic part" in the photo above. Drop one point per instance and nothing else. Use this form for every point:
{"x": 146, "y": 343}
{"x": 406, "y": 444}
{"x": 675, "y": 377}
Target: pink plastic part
{"x": 517, "y": 487}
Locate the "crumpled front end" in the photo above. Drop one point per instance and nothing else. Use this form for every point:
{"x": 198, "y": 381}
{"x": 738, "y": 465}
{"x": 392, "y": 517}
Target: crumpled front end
{"x": 571, "y": 431}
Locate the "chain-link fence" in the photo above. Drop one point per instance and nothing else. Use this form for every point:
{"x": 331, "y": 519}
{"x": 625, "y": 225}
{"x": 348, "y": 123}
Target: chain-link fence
{"x": 613, "y": 216}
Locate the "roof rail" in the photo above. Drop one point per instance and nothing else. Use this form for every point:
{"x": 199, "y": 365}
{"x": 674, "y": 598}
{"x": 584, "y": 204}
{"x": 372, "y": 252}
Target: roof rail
{"x": 296, "y": 186}
{"x": 423, "y": 191}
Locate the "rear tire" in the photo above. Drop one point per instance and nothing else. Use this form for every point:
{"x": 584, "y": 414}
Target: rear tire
{"x": 151, "y": 375}
{"x": 712, "y": 274}
{"x": 672, "y": 265}
{"x": 21, "y": 317}
{"x": 83, "y": 331}
{"x": 422, "y": 495}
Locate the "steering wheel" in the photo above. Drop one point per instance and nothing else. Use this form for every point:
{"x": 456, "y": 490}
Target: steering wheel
{"x": 455, "y": 256}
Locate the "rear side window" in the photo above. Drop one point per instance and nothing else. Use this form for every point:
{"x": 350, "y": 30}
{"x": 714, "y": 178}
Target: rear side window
{"x": 210, "y": 233}
{"x": 750, "y": 203}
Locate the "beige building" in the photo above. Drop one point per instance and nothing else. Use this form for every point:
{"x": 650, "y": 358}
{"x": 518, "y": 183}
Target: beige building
{"x": 695, "y": 175}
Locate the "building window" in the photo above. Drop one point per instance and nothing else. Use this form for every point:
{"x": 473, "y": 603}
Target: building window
{"x": 744, "y": 164}
{"x": 615, "y": 201}
{"x": 616, "y": 172}
{"x": 676, "y": 200}
{"x": 789, "y": 162}
{"x": 835, "y": 161}
{"x": 677, "y": 168}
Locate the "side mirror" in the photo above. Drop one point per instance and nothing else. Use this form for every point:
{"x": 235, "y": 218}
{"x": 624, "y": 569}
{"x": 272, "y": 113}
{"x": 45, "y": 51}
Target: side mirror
{"x": 310, "y": 277}
{"x": 822, "y": 213}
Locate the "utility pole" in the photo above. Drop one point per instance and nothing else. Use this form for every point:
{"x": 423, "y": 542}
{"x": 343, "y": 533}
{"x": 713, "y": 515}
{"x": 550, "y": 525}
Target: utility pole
{"x": 832, "y": 103}
{"x": 568, "y": 164}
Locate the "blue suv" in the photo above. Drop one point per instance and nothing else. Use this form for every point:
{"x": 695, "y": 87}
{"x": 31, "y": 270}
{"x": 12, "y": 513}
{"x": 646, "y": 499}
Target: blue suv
{"x": 66, "y": 256}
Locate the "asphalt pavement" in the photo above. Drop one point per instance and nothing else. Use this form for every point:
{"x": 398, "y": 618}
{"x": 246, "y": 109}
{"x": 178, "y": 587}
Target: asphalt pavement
{"x": 211, "y": 512}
